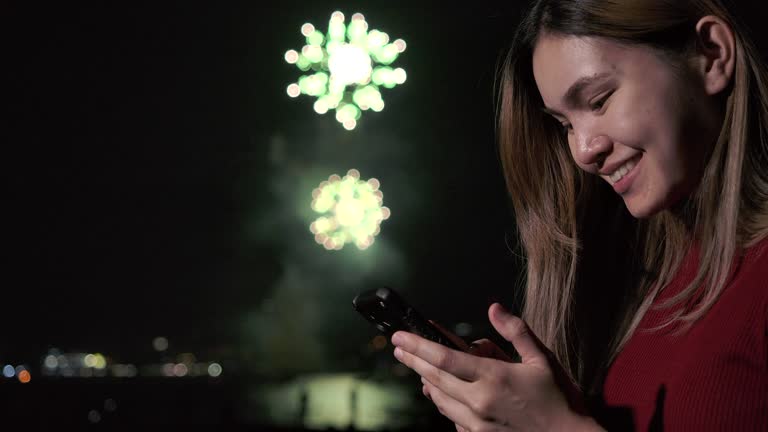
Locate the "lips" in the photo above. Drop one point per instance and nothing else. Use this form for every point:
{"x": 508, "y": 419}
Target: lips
{"x": 610, "y": 170}
{"x": 625, "y": 182}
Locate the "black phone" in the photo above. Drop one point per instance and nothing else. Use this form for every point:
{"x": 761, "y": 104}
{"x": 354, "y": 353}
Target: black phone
{"x": 389, "y": 312}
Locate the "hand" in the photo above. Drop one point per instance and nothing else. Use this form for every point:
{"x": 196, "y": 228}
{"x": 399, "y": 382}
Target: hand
{"x": 486, "y": 394}
{"x": 480, "y": 347}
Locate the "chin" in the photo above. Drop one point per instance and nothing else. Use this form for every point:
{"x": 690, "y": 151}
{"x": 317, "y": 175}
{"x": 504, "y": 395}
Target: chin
{"x": 644, "y": 210}
{"x": 644, "y": 207}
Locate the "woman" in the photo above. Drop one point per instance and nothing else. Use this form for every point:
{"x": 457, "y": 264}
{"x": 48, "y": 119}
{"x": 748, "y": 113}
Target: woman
{"x": 633, "y": 139}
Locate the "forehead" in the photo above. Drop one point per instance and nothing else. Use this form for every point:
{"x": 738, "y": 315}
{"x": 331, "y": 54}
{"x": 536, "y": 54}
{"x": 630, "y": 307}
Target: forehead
{"x": 558, "y": 61}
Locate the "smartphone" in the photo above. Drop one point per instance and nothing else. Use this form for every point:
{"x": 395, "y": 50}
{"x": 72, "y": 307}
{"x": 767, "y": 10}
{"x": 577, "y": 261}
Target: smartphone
{"x": 389, "y": 312}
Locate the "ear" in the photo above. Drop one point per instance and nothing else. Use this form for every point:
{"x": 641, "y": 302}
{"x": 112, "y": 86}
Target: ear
{"x": 716, "y": 53}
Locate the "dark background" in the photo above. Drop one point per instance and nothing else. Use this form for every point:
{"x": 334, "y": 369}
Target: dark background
{"x": 157, "y": 180}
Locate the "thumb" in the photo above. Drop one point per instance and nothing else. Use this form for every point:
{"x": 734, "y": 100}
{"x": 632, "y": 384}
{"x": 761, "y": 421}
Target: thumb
{"x": 516, "y": 331}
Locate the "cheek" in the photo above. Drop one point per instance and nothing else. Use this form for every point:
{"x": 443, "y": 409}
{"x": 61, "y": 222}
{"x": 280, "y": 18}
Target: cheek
{"x": 633, "y": 127}
{"x": 668, "y": 170}
{"x": 673, "y": 148}
{"x": 656, "y": 133}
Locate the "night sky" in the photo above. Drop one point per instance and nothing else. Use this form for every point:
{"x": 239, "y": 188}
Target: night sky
{"x": 154, "y": 171}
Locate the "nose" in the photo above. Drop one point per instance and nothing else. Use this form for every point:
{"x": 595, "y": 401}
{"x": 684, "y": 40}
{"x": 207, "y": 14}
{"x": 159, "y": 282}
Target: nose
{"x": 591, "y": 150}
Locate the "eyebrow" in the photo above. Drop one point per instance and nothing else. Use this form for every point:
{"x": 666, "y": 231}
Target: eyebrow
{"x": 573, "y": 94}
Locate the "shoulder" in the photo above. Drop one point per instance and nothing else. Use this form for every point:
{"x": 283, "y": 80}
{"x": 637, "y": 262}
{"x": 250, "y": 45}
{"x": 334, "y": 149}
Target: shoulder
{"x": 752, "y": 275}
{"x": 743, "y": 302}
{"x": 753, "y": 265}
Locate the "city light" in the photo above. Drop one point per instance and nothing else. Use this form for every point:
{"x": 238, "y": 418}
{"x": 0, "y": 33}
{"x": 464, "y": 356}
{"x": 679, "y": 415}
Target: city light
{"x": 100, "y": 362}
{"x": 51, "y": 362}
{"x": 463, "y": 329}
{"x": 180, "y": 370}
{"x": 349, "y": 64}
{"x": 350, "y": 211}
{"x": 168, "y": 369}
{"x": 94, "y": 416}
{"x": 9, "y": 371}
{"x": 96, "y": 361}
{"x": 124, "y": 370}
{"x": 62, "y": 361}
{"x": 90, "y": 360}
{"x": 110, "y": 405}
{"x": 337, "y": 402}
{"x": 97, "y": 365}
{"x": 214, "y": 370}
{"x": 160, "y": 343}
{"x": 379, "y": 342}
{"x": 25, "y": 376}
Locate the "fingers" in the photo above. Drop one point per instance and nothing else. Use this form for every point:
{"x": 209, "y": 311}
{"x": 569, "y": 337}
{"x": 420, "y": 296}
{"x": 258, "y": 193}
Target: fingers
{"x": 515, "y": 330}
{"x": 432, "y": 356}
{"x": 449, "y": 383}
{"x": 458, "y": 412}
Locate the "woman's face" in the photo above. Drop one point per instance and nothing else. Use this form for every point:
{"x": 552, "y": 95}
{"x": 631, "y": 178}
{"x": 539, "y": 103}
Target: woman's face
{"x": 631, "y": 117}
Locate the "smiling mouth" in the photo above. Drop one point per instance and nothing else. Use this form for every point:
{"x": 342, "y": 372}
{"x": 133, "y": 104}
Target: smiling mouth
{"x": 625, "y": 175}
{"x": 623, "y": 171}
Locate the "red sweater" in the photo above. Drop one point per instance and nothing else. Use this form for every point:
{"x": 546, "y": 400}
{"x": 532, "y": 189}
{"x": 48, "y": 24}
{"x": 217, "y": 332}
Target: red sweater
{"x": 713, "y": 378}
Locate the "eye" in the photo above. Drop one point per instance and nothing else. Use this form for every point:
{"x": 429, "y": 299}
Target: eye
{"x": 565, "y": 126}
{"x": 600, "y": 102}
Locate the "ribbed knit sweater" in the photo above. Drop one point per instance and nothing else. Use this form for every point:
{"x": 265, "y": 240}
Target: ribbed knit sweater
{"x": 712, "y": 378}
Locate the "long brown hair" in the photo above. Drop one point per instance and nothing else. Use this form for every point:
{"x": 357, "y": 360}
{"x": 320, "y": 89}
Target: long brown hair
{"x": 577, "y": 234}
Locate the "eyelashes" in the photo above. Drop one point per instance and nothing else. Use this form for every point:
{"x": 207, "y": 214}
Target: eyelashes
{"x": 600, "y": 102}
{"x": 595, "y": 106}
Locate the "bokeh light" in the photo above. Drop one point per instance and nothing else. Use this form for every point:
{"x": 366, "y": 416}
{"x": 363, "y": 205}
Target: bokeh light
{"x": 100, "y": 362}
{"x": 62, "y": 361}
{"x": 51, "y": 362}
{"x": 379, "y": 342}
{"x": 9, "y": 371}
{"x": 349, "y": 64}
{"x": 350, "y": 209}
{"x": 160, "y": 343}
{"x": 25, "y": 376}
{"x": 180, "y": 370}
{"x": 90, "y": 360}
{"x": 110, "y": 405}
{"x": 463, "y": 329}
{"x": 94, "y": 416}
{"x": 214, "y": 370}
{"x": 168, "y": 369}
{"x": 339, "y": 402}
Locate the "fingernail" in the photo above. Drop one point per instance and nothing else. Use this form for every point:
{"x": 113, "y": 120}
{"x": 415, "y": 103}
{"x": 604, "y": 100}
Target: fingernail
{"x": 397, "y": 339}
{"x": 501, "y": 312}
{"x": 398, "y": 352}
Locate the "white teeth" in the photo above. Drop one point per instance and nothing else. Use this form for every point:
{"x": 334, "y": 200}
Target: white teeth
{"x": 622, "y": 171}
